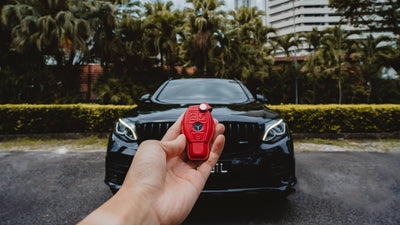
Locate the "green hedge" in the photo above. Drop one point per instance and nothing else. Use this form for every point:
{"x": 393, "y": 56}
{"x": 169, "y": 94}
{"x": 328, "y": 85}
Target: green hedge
{"x": 341, "y": 118}
{"x": 24, "y": 119}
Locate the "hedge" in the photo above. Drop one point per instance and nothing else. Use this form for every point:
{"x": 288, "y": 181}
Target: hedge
{"x": 25, "y": 119}
{"x": 341, "y": 118}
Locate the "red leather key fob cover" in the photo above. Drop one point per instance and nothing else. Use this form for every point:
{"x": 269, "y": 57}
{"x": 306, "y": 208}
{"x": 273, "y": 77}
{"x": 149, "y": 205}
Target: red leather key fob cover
{"x": 198, "y": 127}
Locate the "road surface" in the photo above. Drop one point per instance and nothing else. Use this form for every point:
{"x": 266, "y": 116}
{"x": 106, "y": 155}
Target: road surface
{"x": 333, "y": 188}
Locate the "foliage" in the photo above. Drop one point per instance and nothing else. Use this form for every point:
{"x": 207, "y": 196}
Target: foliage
{"x": 114, "y": 88}
{"x": 60, "y": 31}
{"x": 376, "y": 15}
{"x": 44, "y": 43}
{"x": 23, "y": 119}
{"x": 337, "y": 46}
{"x": 340, "y": 118}
{"x": 59, "y": 118}
{"x": 23, "y": 78}
{"x": 204, "y": 20}
{"x": 164, "y": 27}
{"x": 247, "y": 52}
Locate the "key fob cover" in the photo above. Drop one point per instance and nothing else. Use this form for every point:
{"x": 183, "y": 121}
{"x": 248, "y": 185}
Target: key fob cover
{"x": 198, "y": 127}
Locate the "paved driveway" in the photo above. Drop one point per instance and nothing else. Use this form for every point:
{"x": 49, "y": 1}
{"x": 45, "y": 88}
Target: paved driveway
{"x": 333, "y": 188}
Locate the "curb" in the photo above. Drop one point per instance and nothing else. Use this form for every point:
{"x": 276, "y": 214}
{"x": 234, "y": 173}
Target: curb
{"x": 383, "y": 135}
{"x": 392, "y": 135}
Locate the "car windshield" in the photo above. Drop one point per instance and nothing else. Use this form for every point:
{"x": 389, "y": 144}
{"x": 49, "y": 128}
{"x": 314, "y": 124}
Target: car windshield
{"x": 194, "y": 91}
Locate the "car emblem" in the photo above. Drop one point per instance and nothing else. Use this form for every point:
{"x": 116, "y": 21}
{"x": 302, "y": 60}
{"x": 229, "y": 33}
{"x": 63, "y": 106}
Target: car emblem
{"x": 198, "y": 126}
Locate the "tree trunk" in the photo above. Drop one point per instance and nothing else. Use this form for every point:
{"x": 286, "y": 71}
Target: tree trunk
{"x": 340, "y": 78}
{"x": 205, "y": 63}
{"x": 340, "y": 90}
{"x": 223, "y": 66}
{"x": 314, "y": 87}
{"x": 171, "y": 63}
{"x": 162, "y": 59}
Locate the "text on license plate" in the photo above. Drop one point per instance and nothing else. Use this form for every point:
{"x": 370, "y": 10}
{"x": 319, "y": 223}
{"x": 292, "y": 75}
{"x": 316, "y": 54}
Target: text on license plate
{"x": 219, "y": 168}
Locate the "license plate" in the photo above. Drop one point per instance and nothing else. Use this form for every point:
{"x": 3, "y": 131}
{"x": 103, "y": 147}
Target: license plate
{"x": 220, "y": 168}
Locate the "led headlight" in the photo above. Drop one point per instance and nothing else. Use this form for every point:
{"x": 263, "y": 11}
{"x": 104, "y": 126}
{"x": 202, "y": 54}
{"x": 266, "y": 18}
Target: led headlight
{"x": 127, "y": 130}
{"x": 274, "y": 129}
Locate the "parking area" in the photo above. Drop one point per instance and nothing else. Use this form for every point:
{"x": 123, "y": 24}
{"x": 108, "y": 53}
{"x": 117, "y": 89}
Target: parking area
{"x": 333, "y": 188}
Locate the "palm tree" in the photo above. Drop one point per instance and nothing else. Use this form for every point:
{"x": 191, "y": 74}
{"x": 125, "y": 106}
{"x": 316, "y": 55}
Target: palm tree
{"x": 373, "y": 56}
{"x": 104, "y": 23}
{"x": 247, "y": 37}
{"x": 60, "y": 30}
{"x": 394, "y": 57}
{"x": 204, "y": 20}
{"x": 336, "y": 49}
{"x": 313, "y": 67}
{"x": 313, "y": 61}
{"x": 285, "y": 44}
{"x": 313, "y": 39}
{"x": 164, "y": 27}
{"x": 135, "y": 46}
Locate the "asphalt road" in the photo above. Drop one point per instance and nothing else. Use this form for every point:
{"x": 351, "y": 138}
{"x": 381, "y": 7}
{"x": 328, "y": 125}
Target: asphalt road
{"x": 333, "y": 188}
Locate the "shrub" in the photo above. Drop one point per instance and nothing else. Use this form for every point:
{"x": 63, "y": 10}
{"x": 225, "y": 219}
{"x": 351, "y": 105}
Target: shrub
{"x": 24, "y": 119}
{"x": 21, "y": 119}
{"x": 340, "y": 118}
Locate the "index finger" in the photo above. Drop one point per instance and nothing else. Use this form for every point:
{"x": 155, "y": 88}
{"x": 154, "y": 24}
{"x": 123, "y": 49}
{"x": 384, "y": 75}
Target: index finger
{"x": 174, "y": 131}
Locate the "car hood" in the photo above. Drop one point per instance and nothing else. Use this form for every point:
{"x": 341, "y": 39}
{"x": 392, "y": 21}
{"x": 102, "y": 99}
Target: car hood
{"x": 250, "y": 113}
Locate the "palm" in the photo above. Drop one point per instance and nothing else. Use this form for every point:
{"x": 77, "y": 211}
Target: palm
{"x": 171, "y": 184}
{"x": 182, "y": 185}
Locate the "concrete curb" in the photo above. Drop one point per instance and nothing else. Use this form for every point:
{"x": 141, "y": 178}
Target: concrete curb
{"x": 393, "y": 135}
{"x": 383, "y": 135}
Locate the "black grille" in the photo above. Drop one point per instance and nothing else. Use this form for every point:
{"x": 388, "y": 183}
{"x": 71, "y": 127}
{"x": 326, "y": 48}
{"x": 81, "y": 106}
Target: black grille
{"x": 242, "y": 132}
{"x": 239, "y": 136}
{"x": 156, "y": 131}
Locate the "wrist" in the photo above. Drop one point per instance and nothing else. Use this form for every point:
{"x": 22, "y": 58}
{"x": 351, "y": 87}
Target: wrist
{"x": 134, "y": 207}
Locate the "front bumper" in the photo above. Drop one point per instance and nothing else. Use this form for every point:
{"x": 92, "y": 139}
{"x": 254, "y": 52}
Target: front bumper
{"x": 271, "y": 167}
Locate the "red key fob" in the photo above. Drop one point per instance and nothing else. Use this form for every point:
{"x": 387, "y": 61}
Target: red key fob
{"x": 198, "y": 127}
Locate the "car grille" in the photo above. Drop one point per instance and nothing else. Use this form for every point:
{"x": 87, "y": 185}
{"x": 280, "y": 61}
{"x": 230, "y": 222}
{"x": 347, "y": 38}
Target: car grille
{"x": 156, "y": 131}
{"x": 239, "y": 137}
{"x": 242, "y": 137}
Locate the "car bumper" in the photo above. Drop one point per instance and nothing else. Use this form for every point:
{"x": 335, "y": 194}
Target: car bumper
{"x": 270, "y": 168}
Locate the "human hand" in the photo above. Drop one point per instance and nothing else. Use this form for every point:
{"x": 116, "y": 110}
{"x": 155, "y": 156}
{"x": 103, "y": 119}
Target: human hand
{"x": 162, "y": 186}
{"x": 167, "y": 178}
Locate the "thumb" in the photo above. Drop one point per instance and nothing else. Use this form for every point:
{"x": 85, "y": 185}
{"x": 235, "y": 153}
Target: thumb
{"x": 174, "y": 147}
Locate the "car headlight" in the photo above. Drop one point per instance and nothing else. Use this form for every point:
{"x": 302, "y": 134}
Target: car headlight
{"x": 127, "y": 130}
{"x": 274, "y": 130}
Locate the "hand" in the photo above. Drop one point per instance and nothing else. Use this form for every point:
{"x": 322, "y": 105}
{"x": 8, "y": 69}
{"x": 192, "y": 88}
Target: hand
{"x": 161, "y": 186}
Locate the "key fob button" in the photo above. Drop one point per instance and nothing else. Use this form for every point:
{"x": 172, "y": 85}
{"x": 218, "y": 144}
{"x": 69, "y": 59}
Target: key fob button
{"x": 203, "y": 107}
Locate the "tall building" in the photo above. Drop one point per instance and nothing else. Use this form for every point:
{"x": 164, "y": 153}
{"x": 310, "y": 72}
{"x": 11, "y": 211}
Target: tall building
{"x": 290, "y": 16}
{"x": 300, "y": 16}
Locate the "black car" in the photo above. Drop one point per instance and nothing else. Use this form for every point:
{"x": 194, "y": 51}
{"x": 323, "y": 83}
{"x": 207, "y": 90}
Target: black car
{"x": 258, "y": 155}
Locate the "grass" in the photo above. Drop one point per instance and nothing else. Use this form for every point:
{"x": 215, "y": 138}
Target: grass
{"x": 90, "y": 143}
{"x": 99, "y": 143}
{"x": 321, "y": 141}
{"x": 368, "y": 145}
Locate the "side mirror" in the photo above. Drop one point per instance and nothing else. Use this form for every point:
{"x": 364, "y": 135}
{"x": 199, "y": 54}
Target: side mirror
{"x": 145, "y": 98}
{"x": 261, "y": 98}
